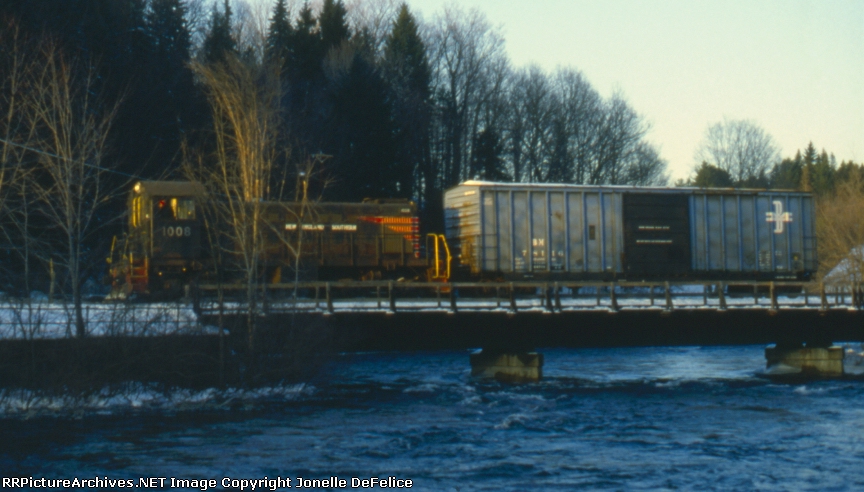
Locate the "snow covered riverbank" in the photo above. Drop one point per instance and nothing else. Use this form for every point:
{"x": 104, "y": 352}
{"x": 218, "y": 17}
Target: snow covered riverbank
{"x": 29, "y": 319}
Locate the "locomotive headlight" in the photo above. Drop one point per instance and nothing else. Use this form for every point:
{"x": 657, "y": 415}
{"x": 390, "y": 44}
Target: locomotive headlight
{"x": 137, "y": 188}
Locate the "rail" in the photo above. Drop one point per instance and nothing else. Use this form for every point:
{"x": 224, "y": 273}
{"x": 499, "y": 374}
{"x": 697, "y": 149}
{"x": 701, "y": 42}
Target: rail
{"x": 515, "y": 297}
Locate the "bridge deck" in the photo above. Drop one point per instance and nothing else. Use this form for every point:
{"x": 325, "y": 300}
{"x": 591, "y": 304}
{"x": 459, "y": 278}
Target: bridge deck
{"x": 358, "y": 297}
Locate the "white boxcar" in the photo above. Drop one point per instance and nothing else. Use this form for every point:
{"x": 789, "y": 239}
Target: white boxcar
{"x": 512, "y": 230}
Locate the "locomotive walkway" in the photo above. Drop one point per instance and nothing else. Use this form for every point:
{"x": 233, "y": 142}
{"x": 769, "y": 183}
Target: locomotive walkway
{"x": 551, "y": 297}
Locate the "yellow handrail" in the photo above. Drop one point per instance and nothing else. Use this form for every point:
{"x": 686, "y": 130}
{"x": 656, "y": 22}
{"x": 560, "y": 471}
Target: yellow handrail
{"x": 436, "y": 238}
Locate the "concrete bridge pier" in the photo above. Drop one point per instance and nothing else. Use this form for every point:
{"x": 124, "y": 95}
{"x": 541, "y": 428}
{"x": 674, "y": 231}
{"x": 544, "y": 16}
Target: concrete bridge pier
{"x": 507, "y": 366}
{"x": 809, "y": 361}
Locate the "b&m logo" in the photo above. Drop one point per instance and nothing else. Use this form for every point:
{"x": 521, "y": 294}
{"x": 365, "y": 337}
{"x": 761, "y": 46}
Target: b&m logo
{"x": 778, "y": 217}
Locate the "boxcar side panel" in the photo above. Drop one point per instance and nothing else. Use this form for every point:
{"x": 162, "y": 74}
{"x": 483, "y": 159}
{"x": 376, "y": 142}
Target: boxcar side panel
{"x": 731, "y": 240}
{"x": 576, "y": 238}
{"x": 557, "y": 232}
{"x": 539, "y": 231}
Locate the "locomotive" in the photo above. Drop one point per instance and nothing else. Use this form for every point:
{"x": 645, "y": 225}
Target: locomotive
{"x": 497, "y": 231}
{"x": 168, "y": 247}
{"x": 558, "y": 232}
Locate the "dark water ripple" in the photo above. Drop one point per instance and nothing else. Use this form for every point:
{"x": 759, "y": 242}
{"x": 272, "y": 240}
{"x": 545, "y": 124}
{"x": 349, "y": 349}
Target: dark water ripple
{"x": 612, "y": 419}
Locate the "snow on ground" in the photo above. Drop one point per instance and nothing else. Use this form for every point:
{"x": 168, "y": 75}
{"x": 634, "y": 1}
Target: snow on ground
{"x": 27, "y": 319}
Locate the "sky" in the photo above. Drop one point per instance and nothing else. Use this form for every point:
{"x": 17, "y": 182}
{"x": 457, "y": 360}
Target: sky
{"x": 794, "y": 67}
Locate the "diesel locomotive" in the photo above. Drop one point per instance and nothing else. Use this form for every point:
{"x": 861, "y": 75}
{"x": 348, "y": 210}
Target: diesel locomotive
{"x": 167, "y": 246}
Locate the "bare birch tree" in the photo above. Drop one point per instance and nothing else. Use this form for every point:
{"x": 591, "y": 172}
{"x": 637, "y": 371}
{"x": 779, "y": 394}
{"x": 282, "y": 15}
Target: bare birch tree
{"x": 69, "y": 127}
{"x": 244, "y": 106}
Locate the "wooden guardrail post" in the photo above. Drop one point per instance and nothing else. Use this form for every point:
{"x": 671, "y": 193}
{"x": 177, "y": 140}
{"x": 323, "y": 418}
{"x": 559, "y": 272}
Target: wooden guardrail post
{"x": 651, "y": 293}
{"x": 329, "y": 298}
{"x": 613, "y": 299}
{"x": 773, "y": 295}
{"x": 823, "y": 298}
{"x": 438, "y": 294}
{"x": 755, "y": 294}
{"x": 721, "y": 296}
{"x": 547, "y": 297}
{"x": 512, "y": 298}
{"x": 391, "y": 296}
{"x": 704, "y": 294}
{"x": 453, "y": 299}
{"x": 557, "y": 297}
{"x": 669, "y": 305}
{"x": 378, "y": 295}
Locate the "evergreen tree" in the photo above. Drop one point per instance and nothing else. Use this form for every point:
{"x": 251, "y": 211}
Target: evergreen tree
{"x": 334, "y": 24}
{"x": 172, "y": 98}
{"x": 708, "y": 176}
{"x": 280, "y": 35}
{"x": 308, "y": 50}
{"x": 849, "y": 171}
{"x": 405, "y": 54}
{"x": 559, "y": 169}
{"x": 359, "y": 134}
{"x": 167, "y": 29}
{"x": 407, "y": 69}
{"x": 787, "y": 174}
{"x": 219, "y": 41}
{"x": 822, "y": 175}
{"x": 486, "y": 161}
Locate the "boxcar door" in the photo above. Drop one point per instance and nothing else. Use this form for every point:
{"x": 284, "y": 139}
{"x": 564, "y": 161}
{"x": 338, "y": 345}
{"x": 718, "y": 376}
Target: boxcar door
{"x": 656, "y": 235}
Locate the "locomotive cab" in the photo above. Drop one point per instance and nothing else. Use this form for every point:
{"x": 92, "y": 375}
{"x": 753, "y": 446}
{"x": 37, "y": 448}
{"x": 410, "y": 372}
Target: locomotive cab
{"x": 162, "y": 249}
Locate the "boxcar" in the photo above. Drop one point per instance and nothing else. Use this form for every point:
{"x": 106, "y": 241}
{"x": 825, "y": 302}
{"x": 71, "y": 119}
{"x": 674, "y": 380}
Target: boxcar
{"x": 518, "y": 231}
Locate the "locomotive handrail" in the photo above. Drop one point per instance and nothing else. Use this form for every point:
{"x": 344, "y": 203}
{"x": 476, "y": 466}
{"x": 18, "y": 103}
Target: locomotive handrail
{"x": 435, "y": 239}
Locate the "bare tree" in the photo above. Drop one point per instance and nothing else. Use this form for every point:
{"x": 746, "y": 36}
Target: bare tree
{"x": 582, "y": 110}
{"x": 14, "y": 136}
{"x": 470, "y": 68}
{"x": 250, "y": 28}
{"x": 840, "y": 233}
{"x": 645, "y": 167}
{"x": 740, "y": 147}
{"x": 244, "y": 106}
{"x": 373, "y": 18}
{"x": 67, "y": 183}
{"x": 536, "y": 102}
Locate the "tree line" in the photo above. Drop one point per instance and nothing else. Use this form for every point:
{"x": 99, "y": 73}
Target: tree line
{"x": 386, "y": 104}
{"x": 390, "y": 106}
{"x": 740, "y": 154}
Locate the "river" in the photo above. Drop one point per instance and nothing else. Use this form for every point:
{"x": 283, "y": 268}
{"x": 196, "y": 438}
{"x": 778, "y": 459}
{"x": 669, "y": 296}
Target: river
{"x": 692, "y": 418}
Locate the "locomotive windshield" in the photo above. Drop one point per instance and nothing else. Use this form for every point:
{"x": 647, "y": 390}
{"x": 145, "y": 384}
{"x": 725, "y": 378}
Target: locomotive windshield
{"x": 175, "y": 208}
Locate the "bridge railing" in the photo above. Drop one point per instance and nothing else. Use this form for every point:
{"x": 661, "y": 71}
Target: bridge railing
{"x": 393, "y": 296}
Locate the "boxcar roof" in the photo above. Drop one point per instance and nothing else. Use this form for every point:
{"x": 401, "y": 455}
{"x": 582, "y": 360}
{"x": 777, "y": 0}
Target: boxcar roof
{"x": 169, "y": 188}
{"x": 626, "y": 188}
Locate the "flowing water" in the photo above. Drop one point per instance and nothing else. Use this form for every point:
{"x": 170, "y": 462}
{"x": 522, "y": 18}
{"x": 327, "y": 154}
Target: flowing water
{"x": 692, "y": 418}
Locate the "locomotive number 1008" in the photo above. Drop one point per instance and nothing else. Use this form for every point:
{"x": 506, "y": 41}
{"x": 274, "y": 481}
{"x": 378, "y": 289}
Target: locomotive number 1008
{"x": 177, "y": 231}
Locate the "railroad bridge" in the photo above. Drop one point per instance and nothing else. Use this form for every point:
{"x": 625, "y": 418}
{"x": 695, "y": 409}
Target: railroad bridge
{"x": 510, "y": 319}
